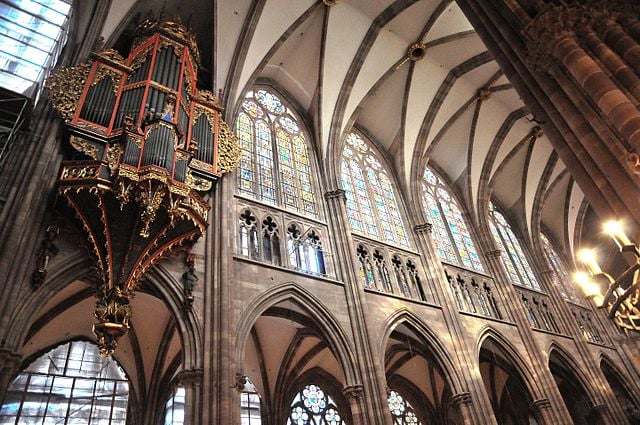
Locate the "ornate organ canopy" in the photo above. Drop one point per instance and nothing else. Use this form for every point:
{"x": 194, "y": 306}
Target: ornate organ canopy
{"x": 153, "y": 144}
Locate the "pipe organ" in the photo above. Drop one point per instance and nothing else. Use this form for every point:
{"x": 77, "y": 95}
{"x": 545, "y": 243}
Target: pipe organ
{"x": 150, "y": 145}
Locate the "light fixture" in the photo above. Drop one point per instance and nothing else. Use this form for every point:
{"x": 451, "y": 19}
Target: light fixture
{"x": 622, "y": 297}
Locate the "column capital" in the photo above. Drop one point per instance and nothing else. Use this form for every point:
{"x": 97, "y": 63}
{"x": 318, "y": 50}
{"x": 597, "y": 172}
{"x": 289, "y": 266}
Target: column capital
{"x": 541, "y": 404}
{"x": 494, "y": 253}
{"x": 335, "y": 194}
{"x": 353, "y": 391}
{"x": 9, "y": 358}
{"x": 423, "y": 228}
{"x": 191, "y": 377}
{"x": 461, "y": 399}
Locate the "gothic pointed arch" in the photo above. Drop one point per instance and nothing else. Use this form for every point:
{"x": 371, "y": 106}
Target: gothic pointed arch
{"x": 579, "y": 397}
{"x": 508, "y": 382}
{"x": 372, "y": 201}
{"x": 451, "y": 234}
{"x": 421, "y": 379}
{"x": 623, "y": 389}
{"x": 559, "y": 271}
{"x": 318, "y": 317}
{"x": 277, "y": 165}
{"x": 514, "y": 259}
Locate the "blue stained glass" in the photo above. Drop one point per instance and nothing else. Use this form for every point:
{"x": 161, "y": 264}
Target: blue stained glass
{"x": 265, "y": 143}
{"x": 513, "y": 257}
{"x": 450, "y": 229}
{"x": 559, "y": 274}
{"x": 312, "y": 406}
{"x": 371, "y": 187}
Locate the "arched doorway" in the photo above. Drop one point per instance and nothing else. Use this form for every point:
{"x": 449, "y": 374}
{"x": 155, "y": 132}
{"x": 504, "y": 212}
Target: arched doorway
{"x": 509, "y": 395}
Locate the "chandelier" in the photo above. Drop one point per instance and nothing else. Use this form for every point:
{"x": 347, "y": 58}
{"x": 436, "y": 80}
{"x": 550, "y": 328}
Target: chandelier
{"x": 150, "y": 145}
{"x": 622, "y": 295}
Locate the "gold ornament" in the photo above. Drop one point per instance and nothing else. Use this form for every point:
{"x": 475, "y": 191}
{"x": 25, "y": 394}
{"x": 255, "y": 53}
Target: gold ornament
{"x": 65, "y": 87}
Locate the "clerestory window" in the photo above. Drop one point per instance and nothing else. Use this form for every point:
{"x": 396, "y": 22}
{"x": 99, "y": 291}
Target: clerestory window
{"x": 276, "y": 164}
{"x": 451, "y": 235}
{"x": 371, "y": 200}
{"x": 513, "y": 258}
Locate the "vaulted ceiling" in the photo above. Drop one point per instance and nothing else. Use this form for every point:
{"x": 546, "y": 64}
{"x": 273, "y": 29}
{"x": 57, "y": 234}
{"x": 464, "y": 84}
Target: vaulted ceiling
{"x": 346, "y": 66}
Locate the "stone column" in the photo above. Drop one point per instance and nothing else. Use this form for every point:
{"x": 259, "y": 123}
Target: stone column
{"x": 616, "y": 37}
{"x": 613, "y": 104}
{"x": 9, "y": 367}
{"x": 619, "y": 70}
{"x": 191, "y": 380}
{"x": 371, "y": 410}
{"x": 542, "y": 410}
{"x": 472, "y": 413}
{"x": 463, "y": 402}
{"x": 354, "y": 394}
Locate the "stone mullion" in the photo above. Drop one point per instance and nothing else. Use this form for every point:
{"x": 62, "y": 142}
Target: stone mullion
{"x": 618, "y": 68}
{"x": 480, "y": 411}
{"x": 370, "y": 407}
{"x": 9, "y": 367}
{"x": 557, "y": 413}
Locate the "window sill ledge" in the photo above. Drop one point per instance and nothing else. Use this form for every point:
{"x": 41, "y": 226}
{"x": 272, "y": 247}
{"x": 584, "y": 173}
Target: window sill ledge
{"x": 288, "y": 270}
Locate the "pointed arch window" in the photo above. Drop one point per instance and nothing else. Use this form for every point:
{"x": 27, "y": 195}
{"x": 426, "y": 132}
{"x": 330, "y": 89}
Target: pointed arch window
{"x": 401, "y": 410}
{"x": 372, "y": 204}
{"x": 450, "y": 232}
{"x": 275, "y": 166}
{"x": 559, "y": 274}
{"x": 513, "y": 258}
{"x": 312, "y": 406}
{"x": 72, "y": 383}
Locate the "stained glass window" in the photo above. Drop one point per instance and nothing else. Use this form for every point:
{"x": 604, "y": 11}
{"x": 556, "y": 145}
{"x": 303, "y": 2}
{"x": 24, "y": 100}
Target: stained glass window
{"x": 312, "y": 406}
{"x": 513, "y": 258}
{"x": 72, "y": 383}
{"x": 366, "y": 182}
{"x": 559, "y": 274}
{"x": 451, "y": 236}
{"x": 275, "y": 166}
{"x": 401, "y": 410}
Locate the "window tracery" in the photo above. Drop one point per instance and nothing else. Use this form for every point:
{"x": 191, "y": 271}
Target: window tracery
{"x": 365, "y": 180}
{"x": 312, "y": 406}
{"x": 513, "y": 258}
{"x": 270, "y": 241}
{"x": 275, "y": 166}
{"x": 401, "y": 410}
{"x": 451, "y": 235}
{"x": 72, "y": 383}
{"x": 305, "y": 250}
{"x": 248, "y": 235}
{"x": 559, "y": 273}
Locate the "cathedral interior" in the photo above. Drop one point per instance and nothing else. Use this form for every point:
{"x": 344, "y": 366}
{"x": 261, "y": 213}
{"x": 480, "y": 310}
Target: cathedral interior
{"x": 319, "y": 212}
